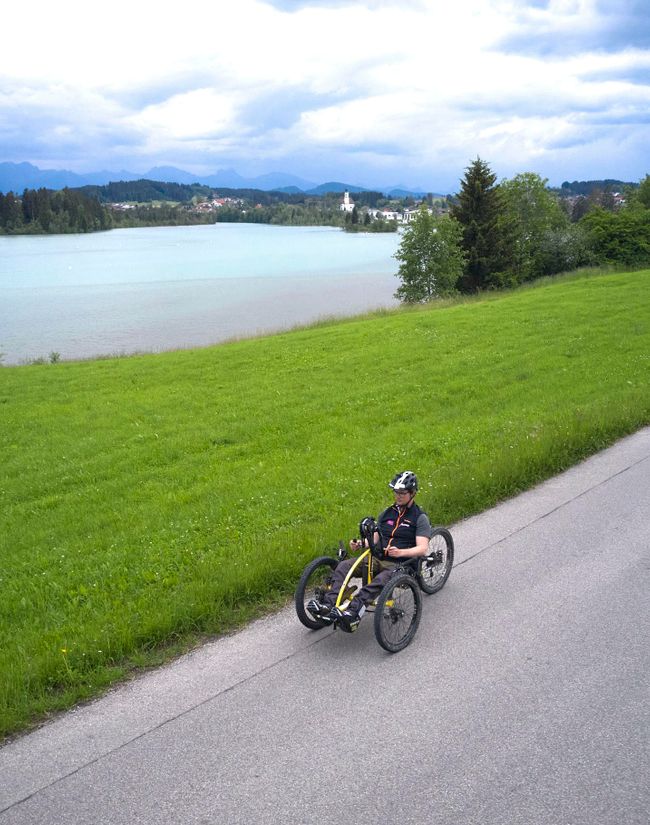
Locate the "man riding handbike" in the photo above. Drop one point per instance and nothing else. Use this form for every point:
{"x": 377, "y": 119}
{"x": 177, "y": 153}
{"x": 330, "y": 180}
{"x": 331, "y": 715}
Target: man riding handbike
{"x": 401, "y": 554}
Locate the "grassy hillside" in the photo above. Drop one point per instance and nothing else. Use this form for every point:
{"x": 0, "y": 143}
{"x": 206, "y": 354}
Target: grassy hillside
{"x": 149, "y": 499}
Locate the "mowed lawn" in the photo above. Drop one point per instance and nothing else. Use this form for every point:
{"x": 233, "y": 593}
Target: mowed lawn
{"x": 149, "y": 500}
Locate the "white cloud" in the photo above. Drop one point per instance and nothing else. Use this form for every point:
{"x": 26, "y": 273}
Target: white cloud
{"x": 381, "y": 87}
{"x": 201, "y": 113}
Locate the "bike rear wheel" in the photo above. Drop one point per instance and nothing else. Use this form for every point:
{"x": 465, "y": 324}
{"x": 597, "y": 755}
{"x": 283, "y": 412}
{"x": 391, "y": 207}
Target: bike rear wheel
{"x": 397, "y": 612}
{"x": 315, "y": 582}
{"x": 435, "y": 567}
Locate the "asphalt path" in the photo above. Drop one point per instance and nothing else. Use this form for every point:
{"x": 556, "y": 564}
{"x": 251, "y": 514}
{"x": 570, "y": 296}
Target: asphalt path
{"x": 524, "y": 697}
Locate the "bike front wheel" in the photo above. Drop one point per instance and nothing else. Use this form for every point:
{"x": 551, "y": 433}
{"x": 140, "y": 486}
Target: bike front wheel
{"x": 315, "y": 583}
{"x": 397, "y": 613}
{"x": 435, "y": 567}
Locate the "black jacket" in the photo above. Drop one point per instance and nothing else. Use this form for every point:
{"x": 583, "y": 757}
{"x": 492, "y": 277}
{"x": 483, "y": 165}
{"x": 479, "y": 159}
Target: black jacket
{"x": 403, "y": 535}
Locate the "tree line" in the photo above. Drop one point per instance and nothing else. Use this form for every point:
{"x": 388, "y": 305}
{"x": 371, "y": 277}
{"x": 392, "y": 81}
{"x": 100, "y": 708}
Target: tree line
{"x": 40, "y": 211}
{"x": 504, "y": 234}
{"x": 44, "y": 211}
{"x": 151, "y": 203}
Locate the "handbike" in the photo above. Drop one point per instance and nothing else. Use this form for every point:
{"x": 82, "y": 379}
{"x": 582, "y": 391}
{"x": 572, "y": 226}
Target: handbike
{"x": 397, "y": 608}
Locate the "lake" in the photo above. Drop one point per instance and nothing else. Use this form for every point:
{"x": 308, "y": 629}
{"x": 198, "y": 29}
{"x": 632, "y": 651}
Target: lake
{"x": 162, "y": 288}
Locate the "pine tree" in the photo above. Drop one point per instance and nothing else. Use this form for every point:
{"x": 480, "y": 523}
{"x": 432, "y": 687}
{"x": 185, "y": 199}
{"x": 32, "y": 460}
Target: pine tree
{"x": 12, "y": 213}
{"x": 477, "y": 210}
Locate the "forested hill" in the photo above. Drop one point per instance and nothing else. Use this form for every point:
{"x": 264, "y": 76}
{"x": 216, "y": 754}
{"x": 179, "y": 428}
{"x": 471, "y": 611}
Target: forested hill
{"x": 144, "y": 191}
{"x": 147, "y": 191}
{"x": 586, "y": 187}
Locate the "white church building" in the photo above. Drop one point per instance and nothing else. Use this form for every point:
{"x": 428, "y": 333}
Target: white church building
{"x": 347, "y": 204}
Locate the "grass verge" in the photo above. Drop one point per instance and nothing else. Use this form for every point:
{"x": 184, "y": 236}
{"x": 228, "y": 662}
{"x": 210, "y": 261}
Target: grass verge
{"x": 150, "y": 500}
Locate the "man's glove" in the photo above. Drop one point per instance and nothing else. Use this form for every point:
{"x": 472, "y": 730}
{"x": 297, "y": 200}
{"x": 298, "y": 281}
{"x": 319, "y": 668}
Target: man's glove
{"x": 367, "y": 529}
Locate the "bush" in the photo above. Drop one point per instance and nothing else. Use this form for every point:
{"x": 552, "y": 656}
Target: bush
{"x": 619, "y": 237}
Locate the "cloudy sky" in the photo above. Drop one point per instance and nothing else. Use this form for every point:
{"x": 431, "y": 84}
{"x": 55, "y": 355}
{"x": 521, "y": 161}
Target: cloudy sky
{"x": 373, "y": 92}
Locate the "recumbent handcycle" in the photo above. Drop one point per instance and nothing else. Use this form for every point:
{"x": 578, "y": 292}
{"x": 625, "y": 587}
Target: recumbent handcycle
{"x": 398, "y": 607}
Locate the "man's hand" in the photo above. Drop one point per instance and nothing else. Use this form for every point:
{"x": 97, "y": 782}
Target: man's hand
{"x": 355, "y": 544}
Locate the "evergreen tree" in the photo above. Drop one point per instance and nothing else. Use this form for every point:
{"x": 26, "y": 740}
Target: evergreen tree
{"x": 11, "y": 218}
{"x": 43, "y": 208}
{"x": 477, "y": 210}
{"x": 29, "y": 205}
{"x": 431, "y": 258}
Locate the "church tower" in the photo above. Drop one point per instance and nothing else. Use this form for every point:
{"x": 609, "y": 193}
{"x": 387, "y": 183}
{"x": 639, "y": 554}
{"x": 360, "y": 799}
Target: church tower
{"x": 348, "y": 203}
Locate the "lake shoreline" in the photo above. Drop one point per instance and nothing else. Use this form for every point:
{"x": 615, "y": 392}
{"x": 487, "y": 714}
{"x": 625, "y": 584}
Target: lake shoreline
{"x": 136, "y": 291}
{"x": 326, "y": 320}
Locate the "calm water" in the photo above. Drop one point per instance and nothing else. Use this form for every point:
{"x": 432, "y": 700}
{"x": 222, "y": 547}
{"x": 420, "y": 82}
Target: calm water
{"x": 163, "y": 288}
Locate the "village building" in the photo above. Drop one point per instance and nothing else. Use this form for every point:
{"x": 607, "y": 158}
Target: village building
{"x": 409, "y": 214}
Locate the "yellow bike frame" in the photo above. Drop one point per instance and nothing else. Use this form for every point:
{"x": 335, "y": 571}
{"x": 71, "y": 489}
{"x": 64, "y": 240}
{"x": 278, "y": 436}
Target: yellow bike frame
{"x": 341, "y": 597}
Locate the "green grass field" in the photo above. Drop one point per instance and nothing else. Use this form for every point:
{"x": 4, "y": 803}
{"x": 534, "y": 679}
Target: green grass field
{"x": 148, "y": 501}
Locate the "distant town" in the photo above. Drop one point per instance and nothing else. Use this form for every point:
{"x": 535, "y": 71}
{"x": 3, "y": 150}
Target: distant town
{"x": 347, "y": 206}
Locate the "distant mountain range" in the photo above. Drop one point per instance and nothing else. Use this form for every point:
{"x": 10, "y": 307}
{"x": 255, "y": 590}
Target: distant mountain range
{"x": 14, "y": 177}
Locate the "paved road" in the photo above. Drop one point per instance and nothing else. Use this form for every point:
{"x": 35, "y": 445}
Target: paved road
{"x": 524, "y": 697}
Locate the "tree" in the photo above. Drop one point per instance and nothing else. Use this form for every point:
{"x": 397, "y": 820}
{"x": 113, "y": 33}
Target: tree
{"x": 622, "y": 237}
{"x": 580, "y": 208}
{"x": 595, "y": 198}
{"x": 477, "y": 210}
{"x": 431, "y": 258}
{"x": 619, "y": 237}
{"x": 12, "y": 218}
{"x": 11, "y": 213}
{"x": 29, "y": 205}
{"x": 644, "y": 192}
{"x": 564, "y": 249}
{"x": 608, "y": 201}
{"x": 531, "y": 224}
{"x": 640, "y": 196}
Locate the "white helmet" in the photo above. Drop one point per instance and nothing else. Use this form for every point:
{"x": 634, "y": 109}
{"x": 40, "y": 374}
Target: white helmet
{"x": 404, "y": 481}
